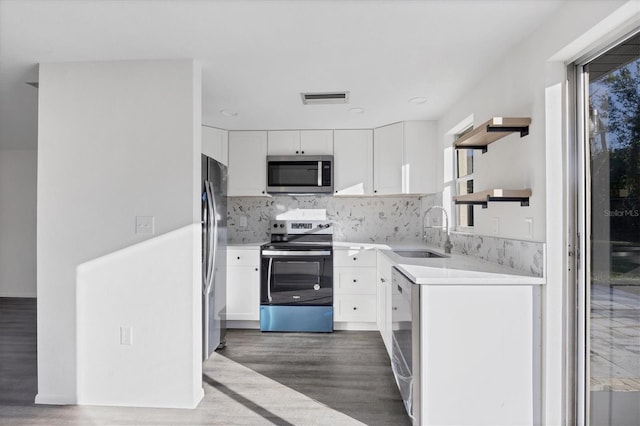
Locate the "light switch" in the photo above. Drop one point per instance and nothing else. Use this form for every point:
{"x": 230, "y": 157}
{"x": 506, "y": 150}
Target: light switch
{"x": 145, "y": 225}
{"x": 528, "y": 228}
{"x": 126, "y": 335}
{"x": 243, "y": 221}
{"x": 495, "y": 226}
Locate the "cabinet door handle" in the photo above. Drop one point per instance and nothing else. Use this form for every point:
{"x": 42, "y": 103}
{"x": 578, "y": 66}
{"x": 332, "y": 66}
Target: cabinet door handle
{"x": 355, "y": 281}
{"x": 297, "y": 152}
{"x": 302, "y": 152}
{"x": 375, "y": 191}
{"x": 383, "y": 280}
{"x": 256, "y": 269}
{"x": 355, "y": 308}
{"x": 238, "y": 257}
{"x": 355, "y": 258}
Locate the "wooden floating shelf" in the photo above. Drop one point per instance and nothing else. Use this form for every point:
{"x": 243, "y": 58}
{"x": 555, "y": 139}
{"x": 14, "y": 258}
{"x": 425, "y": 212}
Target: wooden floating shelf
{"x": 501, "y": 195}
{"x": 491, "y": 131}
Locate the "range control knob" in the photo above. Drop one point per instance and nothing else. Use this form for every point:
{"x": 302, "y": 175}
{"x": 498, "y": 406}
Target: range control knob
{"x": 282, "y": 225}
{"x": 275, "y": 225}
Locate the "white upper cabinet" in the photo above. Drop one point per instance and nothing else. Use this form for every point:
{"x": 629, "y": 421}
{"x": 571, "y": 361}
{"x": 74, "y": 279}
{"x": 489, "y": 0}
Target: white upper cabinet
{"x": 300, "y": 142}
{"x": 387, "y": 156}
{"x": 353, "y": 162}
{"x": 215, "y": 144}
{"x": 283, "y": 142}
{"x": 247, "y": 163}
{"x": 421, "y": 154}
{"x": 405, "y": 158}
{"x": 316, "y": 142}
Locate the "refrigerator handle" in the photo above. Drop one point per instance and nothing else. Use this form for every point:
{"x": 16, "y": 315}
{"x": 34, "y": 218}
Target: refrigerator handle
{"x": 205, "y": 238}
{"x": 213, "y": 237}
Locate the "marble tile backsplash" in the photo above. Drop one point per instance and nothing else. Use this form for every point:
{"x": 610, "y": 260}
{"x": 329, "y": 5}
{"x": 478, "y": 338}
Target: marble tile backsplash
{"x": 393, "y": 219}
{"x": 357, "y": 219}
{"x": 525, "y": 256}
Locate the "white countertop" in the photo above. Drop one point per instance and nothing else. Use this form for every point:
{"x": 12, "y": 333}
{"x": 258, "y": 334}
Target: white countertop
{"x": 452, "y": 269}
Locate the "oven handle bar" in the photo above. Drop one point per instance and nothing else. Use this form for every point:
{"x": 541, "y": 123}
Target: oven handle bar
{"x": 269, "y": 281}
{"x": 296, "y": 252}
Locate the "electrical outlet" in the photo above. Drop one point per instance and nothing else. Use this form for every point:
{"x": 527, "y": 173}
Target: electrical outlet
{"x": 243, "y": 221}
{"x": 145, "y": 225}
{"x": 126, "y": 335}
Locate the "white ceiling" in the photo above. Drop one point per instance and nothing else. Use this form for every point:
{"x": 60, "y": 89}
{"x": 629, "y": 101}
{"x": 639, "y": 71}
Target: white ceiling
{"x": 258, "y": 55}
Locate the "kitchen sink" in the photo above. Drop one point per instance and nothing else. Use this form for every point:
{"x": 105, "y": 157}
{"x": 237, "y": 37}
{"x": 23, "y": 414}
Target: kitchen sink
{"x": 418, "y": 253}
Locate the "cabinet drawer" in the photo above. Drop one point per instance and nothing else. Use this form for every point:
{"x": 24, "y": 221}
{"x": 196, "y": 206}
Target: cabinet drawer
{"x": 356, "y": 308}
{"x": 354, "y": 281}
{"x": 243, "y": 257}
{"x": 354, "y": 257}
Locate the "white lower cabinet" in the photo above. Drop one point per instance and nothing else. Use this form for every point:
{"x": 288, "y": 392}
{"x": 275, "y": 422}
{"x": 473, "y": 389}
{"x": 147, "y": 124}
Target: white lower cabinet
{"x": 475, "y": 346}
{"x": 355, "y": 294}
{"x": 384, "y": 299}
{"x": 243, "y": 284}
{"x": 354, "y": 288}
{"x": 355, "y": 307}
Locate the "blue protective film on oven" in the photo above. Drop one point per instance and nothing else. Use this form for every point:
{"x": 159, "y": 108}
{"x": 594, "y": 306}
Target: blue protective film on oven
{"x": 315, "y": 319}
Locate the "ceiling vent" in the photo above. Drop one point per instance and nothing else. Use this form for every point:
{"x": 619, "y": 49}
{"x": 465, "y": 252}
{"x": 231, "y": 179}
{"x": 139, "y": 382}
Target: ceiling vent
{"x": 323, "y": 98}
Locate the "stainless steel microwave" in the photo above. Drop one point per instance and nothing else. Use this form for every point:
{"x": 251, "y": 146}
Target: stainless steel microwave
{"x": 300, "y": 174}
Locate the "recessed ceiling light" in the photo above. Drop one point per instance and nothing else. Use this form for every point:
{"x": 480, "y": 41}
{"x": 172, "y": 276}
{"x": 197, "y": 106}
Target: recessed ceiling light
{"x": 357, "y": 110}
{"x": 418, "y": 100}
{"x": 228, "y": 113}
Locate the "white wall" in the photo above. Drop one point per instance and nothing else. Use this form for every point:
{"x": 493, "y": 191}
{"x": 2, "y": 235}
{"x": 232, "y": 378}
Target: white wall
{"x": 116, "y": 140}
{"x": 530, "y": 81}
{"x": 515, "y": 87}
{"x": 18, "y": 223}
{"x": 141, "y": 288}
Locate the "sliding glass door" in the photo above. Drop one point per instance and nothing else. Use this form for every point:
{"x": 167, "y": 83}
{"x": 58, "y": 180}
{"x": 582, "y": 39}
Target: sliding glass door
{"x": 611, "y": 87}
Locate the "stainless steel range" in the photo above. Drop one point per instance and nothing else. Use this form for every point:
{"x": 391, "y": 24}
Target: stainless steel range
{"x": 296, "y": 291}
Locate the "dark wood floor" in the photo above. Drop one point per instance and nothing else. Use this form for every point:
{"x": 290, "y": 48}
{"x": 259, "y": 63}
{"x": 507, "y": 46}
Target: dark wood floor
{"x": 347, "y": 371}
{"x": 18, "y": 351}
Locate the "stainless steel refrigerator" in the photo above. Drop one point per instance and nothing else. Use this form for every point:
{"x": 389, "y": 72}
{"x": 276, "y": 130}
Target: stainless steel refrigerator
{"x": 214, "y": 255}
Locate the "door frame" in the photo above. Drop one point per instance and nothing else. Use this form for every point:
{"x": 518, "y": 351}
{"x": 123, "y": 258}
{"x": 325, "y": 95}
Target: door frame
{"x": 579, "y": 224}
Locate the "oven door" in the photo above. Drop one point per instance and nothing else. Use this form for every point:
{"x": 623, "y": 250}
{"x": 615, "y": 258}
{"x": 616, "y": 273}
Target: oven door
{"x": 297, "y": 277}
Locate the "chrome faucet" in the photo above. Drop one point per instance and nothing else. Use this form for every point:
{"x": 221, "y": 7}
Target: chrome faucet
{"x": 447, "y": 244}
